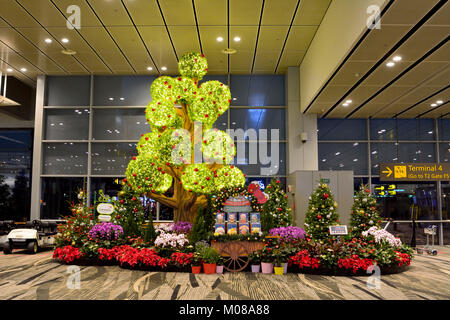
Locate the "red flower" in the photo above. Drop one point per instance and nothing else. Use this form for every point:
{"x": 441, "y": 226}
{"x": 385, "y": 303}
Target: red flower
{"x": 325, "y": 195}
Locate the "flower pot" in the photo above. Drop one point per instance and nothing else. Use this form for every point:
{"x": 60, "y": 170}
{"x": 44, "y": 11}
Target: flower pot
{"x": 196, "y": 269}
{"x": 279, "y": 270}
{"x": 219, "y": 269}
{"x": 285, "y": 266}
{"x": 266, "y": 267}
{"x": 209, "y": 268}
{"x": 256, "y": 268}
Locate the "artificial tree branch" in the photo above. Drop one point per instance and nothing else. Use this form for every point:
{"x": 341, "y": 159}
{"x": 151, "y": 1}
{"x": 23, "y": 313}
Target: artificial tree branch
{"x": 170, "y": 202}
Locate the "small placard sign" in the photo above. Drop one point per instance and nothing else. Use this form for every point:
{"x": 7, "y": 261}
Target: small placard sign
{"x": 105, "y": 208}
{"x": 104, "y": 218}
{"x": 338, "y": 230}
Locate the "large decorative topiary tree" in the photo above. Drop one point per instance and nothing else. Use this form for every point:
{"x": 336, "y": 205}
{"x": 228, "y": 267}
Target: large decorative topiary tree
{"x": 321, "y": 214}
{"x": 183, "y": 152}
{"x": 364, "y": 212}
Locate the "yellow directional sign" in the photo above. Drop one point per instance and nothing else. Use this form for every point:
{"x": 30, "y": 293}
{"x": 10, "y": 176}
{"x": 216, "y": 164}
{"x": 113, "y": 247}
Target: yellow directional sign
{"x": 388, "y": 171}
{"x": 392, "y": 187}
{"x": 414, "y": 172}
{"x": 379, "y": 188}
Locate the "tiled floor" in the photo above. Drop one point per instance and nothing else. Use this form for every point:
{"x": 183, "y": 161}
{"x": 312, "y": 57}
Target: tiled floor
{"x": 24, "y": 276}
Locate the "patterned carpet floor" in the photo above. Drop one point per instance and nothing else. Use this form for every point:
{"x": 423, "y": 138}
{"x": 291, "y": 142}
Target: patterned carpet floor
{"x": 30, "y": 277}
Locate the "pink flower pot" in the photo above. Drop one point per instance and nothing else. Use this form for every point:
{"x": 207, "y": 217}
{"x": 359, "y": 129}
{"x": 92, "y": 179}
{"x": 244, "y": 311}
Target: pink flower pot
{"x": 219, "y": 269}
{"x": 266, "y": 267}
{"x": 256, "y": 268}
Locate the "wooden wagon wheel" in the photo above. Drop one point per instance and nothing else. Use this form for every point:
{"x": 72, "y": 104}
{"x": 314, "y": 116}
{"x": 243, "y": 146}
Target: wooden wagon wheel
{"x": 236, "y": 257}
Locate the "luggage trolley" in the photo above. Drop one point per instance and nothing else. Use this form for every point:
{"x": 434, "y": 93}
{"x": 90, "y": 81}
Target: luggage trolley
{"x": 429, "y": 231}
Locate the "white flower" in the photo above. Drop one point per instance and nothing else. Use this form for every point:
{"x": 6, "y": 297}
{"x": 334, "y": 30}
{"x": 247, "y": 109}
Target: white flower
{"x": 364, "y": 200}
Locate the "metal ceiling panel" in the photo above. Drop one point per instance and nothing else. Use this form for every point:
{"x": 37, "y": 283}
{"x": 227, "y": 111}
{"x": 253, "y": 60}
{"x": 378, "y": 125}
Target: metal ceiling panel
{"x": 15, "y": 15}
{"x": 351, "y": 72}
{"x": 178, "y": 12}
{"x": 245, "y": 13}
{"x": 157, "y": 41}
{"x": 217, "y": 61}
{"x": 211, "y": 13}
{"x": 132, "y": 46}
{"x": 111, "y": 13}
{"x": 421, "y": 72}
{"x": 270, "y": 42}
{"x": 144, "y": 13}
{"x": 185, "y": 38}
{"x": 278, "y": 13}
{"x": 407, "y": 12}
{"x": 441, "y": 17}
{"x": 102, "y": 43}
{"x": 45, "y": 12}
{"x": 383, "y": 74}
{"x": 38, "y": 35}
{"x": 423, "y": 40}
{"x": 241, "y": 61}
{"x": 311, "y": 12}
{"x": 378, "y": 42}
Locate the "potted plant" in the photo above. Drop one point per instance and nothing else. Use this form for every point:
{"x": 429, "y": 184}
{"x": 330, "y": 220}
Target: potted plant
{"x": 255, "y": 261}
{"x": 219, "y": 265}
{"x": 196, "y": 263}
{"x": 266, "y": 260}
{"x": 209, "y": 257}
{"x": 278, "y": 260}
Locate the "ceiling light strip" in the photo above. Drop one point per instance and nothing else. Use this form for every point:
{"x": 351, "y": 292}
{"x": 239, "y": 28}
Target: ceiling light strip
{"x": 110, "y": 35}
{"x": 387, "y": 55}
{"x": 356, "y": 46}
{"x": 140, "y": 36}
{"x": 287, "y": 36}
{"x": 167, "y": 29}
{"x": 422, "y": 101}
{"x": 440, "y": 44}
{"x": 196, "y": 25}
{"x": 257, "y": 36}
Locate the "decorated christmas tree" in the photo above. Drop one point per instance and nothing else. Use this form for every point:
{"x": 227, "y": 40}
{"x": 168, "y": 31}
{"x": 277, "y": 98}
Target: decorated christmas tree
{"x": 182, "y": 150}
{"x": 364, "y": 212}
{"x": 129, "y": 212}
{"x": 322, "y": 213}
{"x": 76, "y": 230}
{"x": 276, "y": 212}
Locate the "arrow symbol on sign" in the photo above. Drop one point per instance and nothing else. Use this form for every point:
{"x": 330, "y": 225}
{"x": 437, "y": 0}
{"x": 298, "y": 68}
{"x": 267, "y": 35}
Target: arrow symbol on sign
{"x": 388, "y": 171}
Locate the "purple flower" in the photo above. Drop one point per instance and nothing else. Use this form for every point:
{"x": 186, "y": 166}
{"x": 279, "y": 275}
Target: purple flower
{"x": 106, "y": 231}
{"x": 182, "y": 227}
{"x": 288, "y": 234}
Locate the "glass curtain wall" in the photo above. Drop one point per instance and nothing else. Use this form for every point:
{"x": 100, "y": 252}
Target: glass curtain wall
{"x": 362, "y": 144}
{"x": 92, "y": 124}
{"x": 15, "y": 174}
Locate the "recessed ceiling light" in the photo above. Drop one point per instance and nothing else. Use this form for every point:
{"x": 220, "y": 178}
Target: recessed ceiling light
{"x": 397, "y": 58}
{"x": 345, "y": 104}
{"x": 111, "y": 99}
{"x": 390, "y": 64}
{"x": 439, "y": 102}
{"x": 220, "y": 39}
{"x": 121, "y": 99}
{"x": 237, "y": 39}
{"x": 229, "y": 51}
{"x": 65, "y": 40}
{"x": 434, "y": 105}
{"x": 149, "y": 68}
{"x": 348, "y": 101}
{"x": 163, "y": 68}
{"x": 234, "y": 99}
{"x": 68, "y": 52}
{"x": 48, "y": 40}
{"x": 9, "y": 70}
{"x": 23, "y": 69}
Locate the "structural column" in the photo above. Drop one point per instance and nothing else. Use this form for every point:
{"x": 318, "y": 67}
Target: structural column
{"x": 301, "y": 154}
{"x": 37, "y": 150}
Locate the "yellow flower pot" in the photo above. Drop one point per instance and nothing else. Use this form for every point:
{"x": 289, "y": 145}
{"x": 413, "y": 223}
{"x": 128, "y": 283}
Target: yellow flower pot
{"x": 279, "y": 270}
